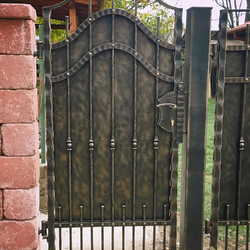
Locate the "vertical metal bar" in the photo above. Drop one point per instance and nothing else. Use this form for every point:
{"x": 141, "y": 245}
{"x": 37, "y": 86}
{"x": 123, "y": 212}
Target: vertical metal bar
{"x": 176, "y": 136}
{"x": 81, "y": 229}
{"x": 248, "y": 218}
{"x": 42, "y": 113}
{"x": 113, "y": 4}
{"x": 237, "y": 236}
{"x": 90, "y": 8}
{"x": 173, "y": 193}
{"x": 241, "y": 141}
{"x": 134, "y": 142}
{"x": 60, "y": 226}
{"x": 196, "y": 71}
{"x": 91, "y": 139}
{"x": 156, "y": 139}
{"x": 177, "y": 75}
{"x": 102, "y": 232}
{"x": 123, "y": 226}
{"x": 136, "y": 7}
{"x": 165, "y": 225}
{"x": 219, "y": 112}
{"x": 112, "y": 141}
{"x": 69, "y": 142}
{"x": 227, "y": 218}
{"x": 144, "y": 227}
{"x": 50, "y": 128}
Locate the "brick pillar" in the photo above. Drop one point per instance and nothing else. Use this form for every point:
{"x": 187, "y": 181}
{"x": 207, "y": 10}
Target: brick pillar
{"x": 19, "y": 158}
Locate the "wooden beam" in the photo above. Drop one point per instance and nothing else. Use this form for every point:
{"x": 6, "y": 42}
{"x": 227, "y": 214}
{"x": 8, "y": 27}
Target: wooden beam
{"x": 73, "y": 19}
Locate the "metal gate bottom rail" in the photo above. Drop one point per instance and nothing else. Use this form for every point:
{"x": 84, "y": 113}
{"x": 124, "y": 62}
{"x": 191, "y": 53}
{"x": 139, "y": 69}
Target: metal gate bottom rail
{"x": 110, "y": 223}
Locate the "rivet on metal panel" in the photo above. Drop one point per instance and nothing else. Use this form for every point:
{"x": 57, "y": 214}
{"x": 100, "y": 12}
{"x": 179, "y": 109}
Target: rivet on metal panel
{"x": 181, "y": 87}
{"x": 91, "y": 144}
{"x": 156, "y": 143}
{"x": 67, "y": 40}
{"x": 113, "y": 45}
{"x": 136, "y": 19}
{"x": 136, "y": 53}
{"x": 242, "y": 144}
{"x": 90, "y": 54}
{"x": 90, "y": 19}
{"x": 68, "y": 74}
{"x": 157, "y": 73}
{"x": 158, "y": 40}
{"x": 248, "y": 46}
{"x": 112, "y": 144}
{"x": 113, "y": 10}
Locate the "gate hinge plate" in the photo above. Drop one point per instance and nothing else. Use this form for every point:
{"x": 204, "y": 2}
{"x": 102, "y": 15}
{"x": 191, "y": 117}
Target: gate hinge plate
{"x": 39, "y": 52}
{"x": 43, "y": 230}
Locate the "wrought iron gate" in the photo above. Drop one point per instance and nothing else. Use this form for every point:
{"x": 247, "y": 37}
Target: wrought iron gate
{"x": 231, "y": 173}
{"x": 114, "y": 117}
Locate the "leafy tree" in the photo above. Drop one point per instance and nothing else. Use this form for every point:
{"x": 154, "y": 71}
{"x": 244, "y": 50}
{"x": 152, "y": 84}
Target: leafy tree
{"x": 149, "y": 18}
{"x": 56, "y": 34}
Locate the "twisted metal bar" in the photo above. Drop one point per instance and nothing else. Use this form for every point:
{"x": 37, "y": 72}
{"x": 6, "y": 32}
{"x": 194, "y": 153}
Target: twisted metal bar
{"x": 50, "y": 128}
{"x": 219, "y": 113}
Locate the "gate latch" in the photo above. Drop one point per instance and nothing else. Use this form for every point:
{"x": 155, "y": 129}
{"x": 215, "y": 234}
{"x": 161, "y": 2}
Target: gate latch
{"x": 167, "y": 112}
{"x": 39, "y": 52}
{"x": 43, "y": 231}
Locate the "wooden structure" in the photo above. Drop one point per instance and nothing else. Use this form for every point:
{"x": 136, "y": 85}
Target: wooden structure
{"x": 239, "y": 32}
{"x": 76, "y": 9}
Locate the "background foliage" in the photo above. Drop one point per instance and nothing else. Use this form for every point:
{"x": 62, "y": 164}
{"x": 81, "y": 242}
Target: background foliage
{"x": 148, "y": 11}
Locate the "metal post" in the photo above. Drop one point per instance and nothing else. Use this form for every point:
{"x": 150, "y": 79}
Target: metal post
{"x": 42, "y": 114}
{"x": 193, "y": 156}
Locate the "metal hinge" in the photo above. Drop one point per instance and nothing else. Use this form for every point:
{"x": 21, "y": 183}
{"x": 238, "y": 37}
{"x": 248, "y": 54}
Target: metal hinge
{"x": 43, "y": 230}
{"x": 39, "y": 52}
{"x": 207, "y": 228}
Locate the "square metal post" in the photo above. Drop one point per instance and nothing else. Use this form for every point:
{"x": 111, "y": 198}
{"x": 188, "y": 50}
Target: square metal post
{"x": 197, "y": 42}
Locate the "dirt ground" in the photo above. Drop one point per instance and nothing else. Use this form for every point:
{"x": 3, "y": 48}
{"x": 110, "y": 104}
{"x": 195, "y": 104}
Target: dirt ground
{"x": 206, "y": 240}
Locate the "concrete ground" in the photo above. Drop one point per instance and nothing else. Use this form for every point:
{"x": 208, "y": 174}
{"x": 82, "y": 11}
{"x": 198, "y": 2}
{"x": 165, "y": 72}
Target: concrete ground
{"x": 107, "y": 238}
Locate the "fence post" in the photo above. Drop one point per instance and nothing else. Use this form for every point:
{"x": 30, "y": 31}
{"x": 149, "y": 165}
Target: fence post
{"x": 19, "y": 157}
{"x": 197, "y": 42}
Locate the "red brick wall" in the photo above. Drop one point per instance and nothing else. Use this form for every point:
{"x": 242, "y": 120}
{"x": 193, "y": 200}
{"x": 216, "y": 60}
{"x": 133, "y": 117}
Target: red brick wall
{"x": 19, "y": 158}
